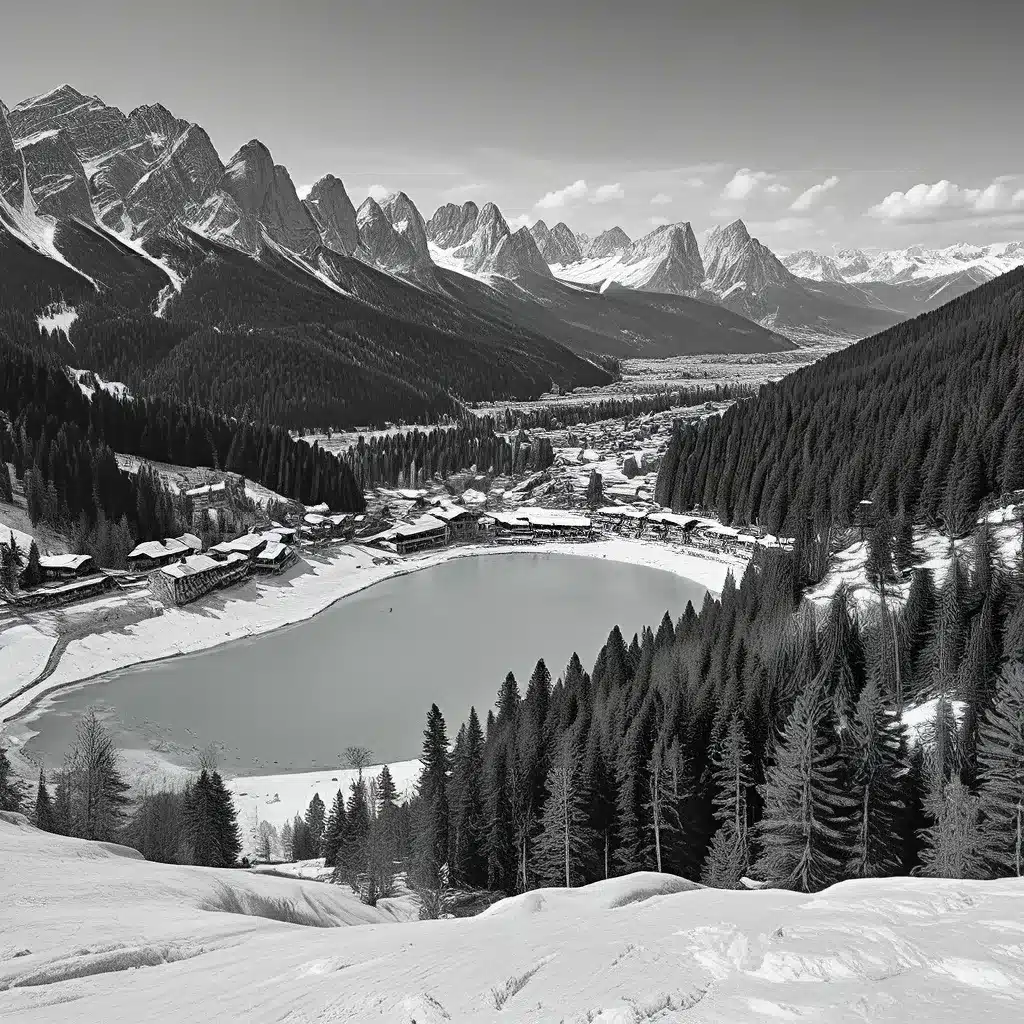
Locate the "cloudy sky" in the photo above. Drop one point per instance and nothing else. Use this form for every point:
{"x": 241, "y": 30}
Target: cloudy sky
{"x": 820, "y": 123}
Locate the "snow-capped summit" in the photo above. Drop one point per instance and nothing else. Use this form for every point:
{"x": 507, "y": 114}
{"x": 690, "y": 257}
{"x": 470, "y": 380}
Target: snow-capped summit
{"x": 381, "y": 245}
{"x": 517, "y": 256}
{"x": 490, "y": 229}
{"x": 92, "y": 128}
{"x": 557, "y": 244}
{"x": 153, "y": 129}
{"x": 335, "y": 216}
{"x": 814, "y": 266}
{"x": 665, "y": 260}
{"x": 452, "y": 225}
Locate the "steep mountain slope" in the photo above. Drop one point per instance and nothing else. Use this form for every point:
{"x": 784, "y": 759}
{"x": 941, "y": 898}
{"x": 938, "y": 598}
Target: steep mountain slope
{"x": 335, "y": 216}
{"x": 747, "y": 277}
{"x": 451, "y": 225}
{"x": 557, "y": 244}
{"x": 881, "y": 420}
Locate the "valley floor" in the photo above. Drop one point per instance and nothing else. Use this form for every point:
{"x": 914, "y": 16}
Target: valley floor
{"x": 93, "y": 933}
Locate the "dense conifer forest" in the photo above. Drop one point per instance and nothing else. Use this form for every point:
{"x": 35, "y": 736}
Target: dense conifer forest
{"x": 922, "y": 420}
{"x": 63, "y": 444}
{"x": 756, "y": 736}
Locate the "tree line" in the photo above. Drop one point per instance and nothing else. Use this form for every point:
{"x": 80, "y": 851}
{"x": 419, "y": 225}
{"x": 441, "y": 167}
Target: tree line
{"x": 922, "y": 420}
{"x": 758, "y": 736}
{"x": 89, "y": 798}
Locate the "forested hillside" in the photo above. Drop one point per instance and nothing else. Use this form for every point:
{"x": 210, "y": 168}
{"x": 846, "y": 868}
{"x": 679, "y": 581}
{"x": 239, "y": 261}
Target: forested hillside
{"x": 63, "y": 444}
{"x": 923, "y": 420}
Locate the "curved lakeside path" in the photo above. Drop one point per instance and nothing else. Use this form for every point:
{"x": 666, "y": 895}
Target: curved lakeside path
{"x": 113, "y": 634}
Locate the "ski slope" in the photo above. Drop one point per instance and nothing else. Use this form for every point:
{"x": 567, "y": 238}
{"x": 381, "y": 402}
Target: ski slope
{"x": 91, "y": 934}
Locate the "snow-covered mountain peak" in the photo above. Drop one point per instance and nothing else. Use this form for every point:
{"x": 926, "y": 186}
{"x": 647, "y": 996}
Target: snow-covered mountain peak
{"x": 453, "y": 225}
{"x": 606, "y": 244}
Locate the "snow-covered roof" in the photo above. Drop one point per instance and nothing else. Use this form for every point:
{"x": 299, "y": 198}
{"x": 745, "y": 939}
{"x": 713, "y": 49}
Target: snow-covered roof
{"x": 675, "y": 519}
{"x": 190, "y": 540}
{"x": 449, "y": 513}
{"x": 622, "y": 511}
{"x": 272, "y": 552}
{"x": 427, "y": 524}
{"x": 192, "y": 565}
{"x": 313, "y": 519}
{"x": 158, "y": 548}
{"x": 723, "y": 531}
{"x": 247, "y": 542}
{"x": 64, "y": 561}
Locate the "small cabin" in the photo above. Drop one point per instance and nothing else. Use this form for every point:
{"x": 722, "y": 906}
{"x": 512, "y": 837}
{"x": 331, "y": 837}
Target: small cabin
{"x": 65, "y": 567}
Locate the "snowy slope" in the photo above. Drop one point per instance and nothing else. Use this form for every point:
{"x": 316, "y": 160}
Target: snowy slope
{"x": 80, "y": 920}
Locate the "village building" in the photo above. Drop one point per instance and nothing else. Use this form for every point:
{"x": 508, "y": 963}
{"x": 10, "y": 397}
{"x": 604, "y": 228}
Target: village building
{"x": 285, "y": 534}
{"x": 197, "y": 575}
{"x": 248, "y": 545}
{"x": 65, "y": 567}
{"x": 53, "y": 595}
{"x": 152, "y": 554}
{"x": 462, "y": 522}
{"x": 274, "y": 558}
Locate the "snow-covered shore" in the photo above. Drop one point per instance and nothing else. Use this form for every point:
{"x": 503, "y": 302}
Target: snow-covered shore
{"x": 263, "y": 605}
{"x": 80, "y": 918}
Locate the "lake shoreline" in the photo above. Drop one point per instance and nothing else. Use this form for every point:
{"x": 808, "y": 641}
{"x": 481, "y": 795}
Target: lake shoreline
{"x": 262, "y": 607}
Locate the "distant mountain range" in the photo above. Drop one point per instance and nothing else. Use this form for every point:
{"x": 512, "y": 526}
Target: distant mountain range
{"x": 101, "y": 206}
{"x": 137, "y": 211}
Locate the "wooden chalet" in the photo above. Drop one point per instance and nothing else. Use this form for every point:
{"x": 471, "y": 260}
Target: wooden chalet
{"x": 65, "y": 567}
{"x": 197, "y": 575}
{"x": 274, "y": 558}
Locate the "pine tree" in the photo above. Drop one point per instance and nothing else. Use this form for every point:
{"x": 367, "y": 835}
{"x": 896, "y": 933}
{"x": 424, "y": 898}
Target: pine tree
{"x": 432, "y": 839}
{"x": 12, "y": 789}
{"x": 95, "y": 791}
{"x": 335, "y": 830}
{"x": 469, "y": 860}
{"x": 200, "y": 827}
{"x": 728, "y": 859}
{"x": 954, "y": 845}
{"x": 563, "y": 847}
{"x": 314, "y": 819}
{"x": 6, "y": 491}
{"x": 225, "y": 820}
{"x": 44, "y": 818}
{"x": 352, "y": 857}
{"x": 731, "y": 778}
{"x": 878, "y": 770}
{"x": 1001, "y": 774}
{"x": 287, "y": 841}
{"x": 805, "y": 830}
{"x": 32, "y": 575}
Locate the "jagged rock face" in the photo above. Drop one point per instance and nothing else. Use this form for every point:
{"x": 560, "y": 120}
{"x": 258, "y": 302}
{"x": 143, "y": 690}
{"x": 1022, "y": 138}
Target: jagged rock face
{"x": 678, "y": 267}
{"x": 606, "y": 244}
{"x": 732, "y": 258}
{"x": 177, "y": 186}
{"x": 381, "y": 243}
{"x": 335, "y": 216}
{"x": 487, "y": 236}
{"x": 12, "y": 170}
{"x": 91, "y": 127}
{"x": 408, "y": 222}
{"x": 110, "y": 186}
{"x": 153, "y": 130}
{"x": 266, "y": 197}
{"x": 557, "y": 244}
{"x": 517, "y": 256}
{"x": 452, "y": 225}
{"x": 56, "y": 177}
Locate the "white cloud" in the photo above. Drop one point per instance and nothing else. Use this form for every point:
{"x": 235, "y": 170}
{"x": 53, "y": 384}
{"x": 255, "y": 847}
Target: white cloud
{"x": 458, "y": 191}
{"x": 745, "y": 182}
{"x": 606, "y": 193}
{"x": 552, "y": 200}
{"x": 658, "y": 222}
{"x": 660, "y": 199}
{"x": 693, "y": 182}
{"x": 776, "y": 189}
{"x": 303, "y": 190}
{"x": 945, "y": 200}
{"x": 807, "y": 199}
{"x": 378, "y": 192}
{"x": 522, "y": 221}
